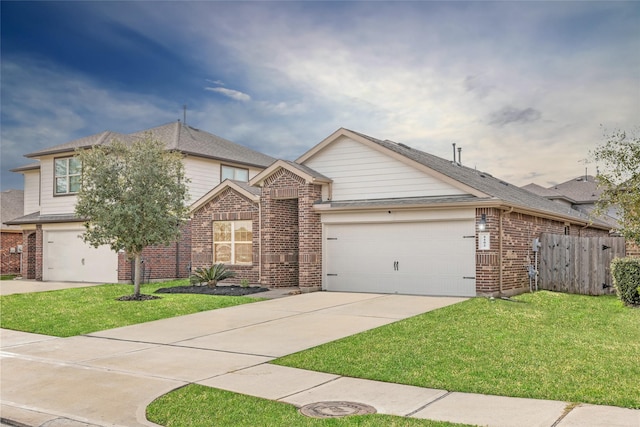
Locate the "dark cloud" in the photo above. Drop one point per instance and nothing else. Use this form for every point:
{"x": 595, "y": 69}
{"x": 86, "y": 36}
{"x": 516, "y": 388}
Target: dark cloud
{"x": 510, "y": 114}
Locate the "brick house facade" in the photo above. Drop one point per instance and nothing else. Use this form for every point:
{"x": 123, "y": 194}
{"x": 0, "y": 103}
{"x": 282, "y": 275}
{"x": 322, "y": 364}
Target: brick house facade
{"x": 160, "y": 262}
{"x": 9, "y": 253}
{"x": 286, "y": 231}
{"x": 502, "y": 270}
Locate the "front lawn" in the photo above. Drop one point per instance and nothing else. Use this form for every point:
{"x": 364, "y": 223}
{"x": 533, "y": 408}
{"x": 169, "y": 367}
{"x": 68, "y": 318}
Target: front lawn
{"x": 77, "y": 311}
{"x": 546, "y": 346}
{"x": 200, "y": 406}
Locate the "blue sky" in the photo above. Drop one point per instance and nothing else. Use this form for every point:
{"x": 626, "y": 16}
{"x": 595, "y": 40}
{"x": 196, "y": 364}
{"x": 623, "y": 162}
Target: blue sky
{"x": 525, "y": 88}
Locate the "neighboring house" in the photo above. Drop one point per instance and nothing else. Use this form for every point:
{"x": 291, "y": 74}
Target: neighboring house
{"x": 356, "y": 213}
{"x": 52, "y": 248}
{"x": 581, "y": 193}
{"x": 11, "y": 202}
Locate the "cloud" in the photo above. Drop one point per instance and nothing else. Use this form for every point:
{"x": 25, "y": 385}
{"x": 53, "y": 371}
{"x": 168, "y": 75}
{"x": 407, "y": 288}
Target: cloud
{"x": 230, "y": 93}
{"x": 510, "y": 114}
{"x": 478, "y": 86}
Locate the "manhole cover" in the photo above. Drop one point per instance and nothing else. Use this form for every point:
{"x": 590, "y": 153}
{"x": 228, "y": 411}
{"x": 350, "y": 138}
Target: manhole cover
{"x": 336, "y": 409}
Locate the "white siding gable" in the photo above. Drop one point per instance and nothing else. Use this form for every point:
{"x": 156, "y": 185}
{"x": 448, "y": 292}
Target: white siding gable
{"x": 31, "y": 191}
{"x": 360, "y": 172}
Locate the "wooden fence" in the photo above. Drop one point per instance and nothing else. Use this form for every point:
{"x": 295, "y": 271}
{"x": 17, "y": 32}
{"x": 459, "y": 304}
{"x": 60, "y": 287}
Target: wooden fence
{"x": 578, "y": 265}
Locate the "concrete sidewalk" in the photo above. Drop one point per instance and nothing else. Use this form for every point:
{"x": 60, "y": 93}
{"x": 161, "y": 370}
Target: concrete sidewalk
{"x": 109, "y": 377}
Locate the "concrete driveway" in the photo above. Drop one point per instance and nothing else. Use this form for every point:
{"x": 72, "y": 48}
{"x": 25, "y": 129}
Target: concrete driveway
{"x": 109, "y": 377}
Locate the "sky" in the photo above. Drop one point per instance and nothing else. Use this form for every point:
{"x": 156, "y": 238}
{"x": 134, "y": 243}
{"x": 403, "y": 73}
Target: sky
{"x": 527, "y": 89}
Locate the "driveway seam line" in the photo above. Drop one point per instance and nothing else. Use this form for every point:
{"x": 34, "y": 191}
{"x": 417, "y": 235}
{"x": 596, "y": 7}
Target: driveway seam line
{"x": 310, "y": 388}
{"x": 427, "y": 404}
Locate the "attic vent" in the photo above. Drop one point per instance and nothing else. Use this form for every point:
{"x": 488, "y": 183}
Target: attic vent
{"x": 483, "y": 175}
{"x": 403, "y": 145}
{"x": 504, "y": 183}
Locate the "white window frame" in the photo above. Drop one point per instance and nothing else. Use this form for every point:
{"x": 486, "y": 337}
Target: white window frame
{"x": 233, "y": 243}
{"x": 67, "y": 176}
{"x": 232, "y": 172}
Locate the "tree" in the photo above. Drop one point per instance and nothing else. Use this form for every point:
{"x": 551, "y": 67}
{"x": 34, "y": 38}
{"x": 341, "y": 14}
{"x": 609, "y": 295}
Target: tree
{"x": 619, "y": 156}
{"x": 133, "y": 196}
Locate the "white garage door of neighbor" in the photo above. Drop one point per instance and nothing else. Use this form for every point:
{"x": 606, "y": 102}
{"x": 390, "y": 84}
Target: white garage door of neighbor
{"x": 67, "y": 258}
{"x": 426, "y": 258}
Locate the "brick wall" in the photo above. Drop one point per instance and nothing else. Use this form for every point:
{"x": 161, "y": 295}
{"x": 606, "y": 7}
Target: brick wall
{"x": 632, "y": 249}
{"x": 226, "y": 206}
{"x": 161, "y": 262}
{"x": 280, "y": 231}
{"x": 310, "y": 239}
{"x": 29, "y": 254}
{"x": 518, "y": 230}
{"x": 10, "y": 262}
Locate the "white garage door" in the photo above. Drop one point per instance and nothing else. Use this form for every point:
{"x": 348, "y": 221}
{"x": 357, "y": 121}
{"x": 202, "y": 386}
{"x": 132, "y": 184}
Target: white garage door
{"x": 65, "y": 257}
{"x": 426, "y": 258}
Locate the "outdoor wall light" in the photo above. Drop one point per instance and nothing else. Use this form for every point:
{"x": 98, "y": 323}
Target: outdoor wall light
{"x": 482, "y": 225}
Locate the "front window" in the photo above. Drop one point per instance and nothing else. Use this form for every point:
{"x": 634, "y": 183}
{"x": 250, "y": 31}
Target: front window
{"x": 68, "y": 175}
{"x": 236, "y": 174}
{"x": 232, "y": 242}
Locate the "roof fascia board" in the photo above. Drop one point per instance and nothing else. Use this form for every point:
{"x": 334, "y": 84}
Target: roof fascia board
{"x": 344, "y": 132}
{"x": 281, "y": 164}
{"x": 217, "y": 190}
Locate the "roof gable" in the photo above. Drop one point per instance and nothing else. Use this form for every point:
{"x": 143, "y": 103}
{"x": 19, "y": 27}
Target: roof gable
{"x": 477, "y": 183}
{"x": 400, "y": 152}
{"x": 242, "y": 188}
{"x": 304, "y": 172}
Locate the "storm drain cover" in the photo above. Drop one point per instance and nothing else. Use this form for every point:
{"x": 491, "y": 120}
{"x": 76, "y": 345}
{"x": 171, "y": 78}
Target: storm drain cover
{"x": 336, "y": 409}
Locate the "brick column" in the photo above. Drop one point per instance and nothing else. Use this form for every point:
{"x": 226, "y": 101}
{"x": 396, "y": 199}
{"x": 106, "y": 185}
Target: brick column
{"x": 310, "y": 239}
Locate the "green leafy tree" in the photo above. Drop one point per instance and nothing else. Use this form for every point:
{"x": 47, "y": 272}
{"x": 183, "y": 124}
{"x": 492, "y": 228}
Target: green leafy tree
{"x": 619, "y": 177}
{"x": 133, "y": 196}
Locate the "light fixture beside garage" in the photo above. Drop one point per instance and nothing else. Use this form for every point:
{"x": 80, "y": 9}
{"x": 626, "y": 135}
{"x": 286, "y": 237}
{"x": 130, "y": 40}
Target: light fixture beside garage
{"x": 482, "y": 225}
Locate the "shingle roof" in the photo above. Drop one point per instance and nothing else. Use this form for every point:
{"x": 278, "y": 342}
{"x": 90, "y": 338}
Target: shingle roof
{"x": 11, "y": 206}
{"x": 579, "y": 189}
{"x": 249, "y": 188}
{"x": 481, "y": 181}
{"x": 306, "y": 169}
{"x": 30, "y": 166}
{"x": 544, "y": 192}
{"x": 176, "y": 136}
{"x": 36, "y": 218}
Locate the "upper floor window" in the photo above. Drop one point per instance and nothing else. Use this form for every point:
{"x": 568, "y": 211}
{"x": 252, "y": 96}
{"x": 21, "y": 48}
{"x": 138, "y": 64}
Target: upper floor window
{"x": 68, "y": 175}
{"x": 237, "y": 174}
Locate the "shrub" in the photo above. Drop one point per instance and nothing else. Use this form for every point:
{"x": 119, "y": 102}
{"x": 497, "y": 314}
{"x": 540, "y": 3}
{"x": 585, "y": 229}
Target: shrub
{"x": 212, "y": 275}
{"x": 626, "y": 278}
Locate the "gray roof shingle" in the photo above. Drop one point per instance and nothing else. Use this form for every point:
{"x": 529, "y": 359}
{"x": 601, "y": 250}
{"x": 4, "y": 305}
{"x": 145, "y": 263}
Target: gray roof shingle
{"x": 11, "y": 206}
{"x": 176, "y": 136}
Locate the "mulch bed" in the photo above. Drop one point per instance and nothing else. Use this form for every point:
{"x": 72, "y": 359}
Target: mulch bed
{"x": 234, "y": 291}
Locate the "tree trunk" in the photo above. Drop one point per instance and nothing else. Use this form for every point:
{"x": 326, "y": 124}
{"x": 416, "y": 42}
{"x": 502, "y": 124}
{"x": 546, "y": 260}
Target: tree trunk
{"x": 136, "y": 277}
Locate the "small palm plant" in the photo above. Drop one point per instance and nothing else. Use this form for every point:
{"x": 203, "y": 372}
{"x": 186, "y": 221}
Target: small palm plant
{"x": 211, "y": 275}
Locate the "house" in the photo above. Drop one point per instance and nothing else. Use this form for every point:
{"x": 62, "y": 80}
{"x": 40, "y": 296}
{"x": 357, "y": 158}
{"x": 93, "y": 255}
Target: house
{"x": 580, "y": 193}
{"x": 52, "y": 249}
{"x": 11, "y": 202}
{"x": 360, "y": 214}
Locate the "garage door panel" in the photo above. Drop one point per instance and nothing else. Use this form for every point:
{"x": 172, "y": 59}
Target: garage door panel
{"x": 67, "y": 258}
{"x": 422, "y": 258}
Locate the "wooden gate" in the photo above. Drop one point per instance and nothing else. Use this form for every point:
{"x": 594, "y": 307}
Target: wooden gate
{"x": 578, "y": 265}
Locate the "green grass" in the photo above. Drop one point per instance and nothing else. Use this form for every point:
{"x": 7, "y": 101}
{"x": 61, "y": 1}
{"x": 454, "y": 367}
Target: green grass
{"x": 8, "y": 276}
{"x": 77, "y": 311}
{"x": 200, "y": 406}
{"x": 547, "y": 346}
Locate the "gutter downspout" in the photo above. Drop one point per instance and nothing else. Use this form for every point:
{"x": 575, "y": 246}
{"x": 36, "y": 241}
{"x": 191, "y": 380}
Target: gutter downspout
{"x": 260, "y": 241}
{"x": 502, "y": 211}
